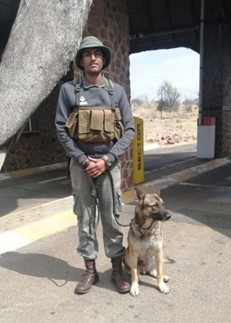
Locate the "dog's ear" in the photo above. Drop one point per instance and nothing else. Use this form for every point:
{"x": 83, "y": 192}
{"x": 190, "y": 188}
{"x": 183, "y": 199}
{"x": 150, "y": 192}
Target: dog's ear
{"x": 139, "y": 193}
{"x": 157, "y": 192}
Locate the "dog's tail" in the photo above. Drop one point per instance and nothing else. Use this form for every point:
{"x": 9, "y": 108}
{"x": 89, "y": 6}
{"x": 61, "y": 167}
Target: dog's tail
{"x": 167, "y": 260}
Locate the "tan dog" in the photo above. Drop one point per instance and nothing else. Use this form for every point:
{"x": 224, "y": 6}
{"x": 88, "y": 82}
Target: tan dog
{"x": 145, "y": 241}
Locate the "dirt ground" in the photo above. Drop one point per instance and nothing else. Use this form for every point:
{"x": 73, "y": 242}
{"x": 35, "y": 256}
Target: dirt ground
{"x": 168, "y": 127}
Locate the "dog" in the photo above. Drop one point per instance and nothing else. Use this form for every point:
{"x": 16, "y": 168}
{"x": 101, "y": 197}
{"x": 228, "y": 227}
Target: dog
{"x": 145, "y": 241}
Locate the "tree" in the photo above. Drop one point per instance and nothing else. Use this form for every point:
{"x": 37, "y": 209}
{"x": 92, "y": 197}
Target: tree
{"x": 169, "y": 97}
{"x": 190, "y": 103}
{"x": 141, "y": 100}
{"x": 43, "y": 41}
{"x": 136, "y": 102}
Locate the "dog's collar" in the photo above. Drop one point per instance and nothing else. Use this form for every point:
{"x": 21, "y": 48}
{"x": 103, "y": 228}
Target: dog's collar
{"x": 140, "y": 227}
{"x": 139, "y": 230}
{"x": 146, "y": 233}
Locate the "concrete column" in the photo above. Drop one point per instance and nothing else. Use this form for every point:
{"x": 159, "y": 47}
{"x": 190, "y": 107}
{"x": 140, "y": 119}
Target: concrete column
{"x": 216, "y": 84}
{"x": 226, "y": 108}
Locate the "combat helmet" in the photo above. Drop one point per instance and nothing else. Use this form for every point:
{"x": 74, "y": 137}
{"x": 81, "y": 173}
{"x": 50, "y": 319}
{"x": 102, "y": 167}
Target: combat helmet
{"x": 92, "y": 42}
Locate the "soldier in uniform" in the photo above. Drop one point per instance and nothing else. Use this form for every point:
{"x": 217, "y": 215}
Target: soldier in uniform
{"x": 95, "y": 126}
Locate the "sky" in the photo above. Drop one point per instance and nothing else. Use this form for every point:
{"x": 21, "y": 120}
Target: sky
{"x": 179, "y": 66}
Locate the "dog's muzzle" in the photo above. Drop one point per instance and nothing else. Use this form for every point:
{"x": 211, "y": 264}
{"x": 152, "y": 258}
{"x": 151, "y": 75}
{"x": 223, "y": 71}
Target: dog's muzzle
{"x": 165, "y": 216}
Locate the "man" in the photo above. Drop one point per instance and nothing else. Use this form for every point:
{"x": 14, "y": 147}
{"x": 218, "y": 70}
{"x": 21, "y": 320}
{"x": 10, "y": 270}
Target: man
{"x": 85, "y": 127}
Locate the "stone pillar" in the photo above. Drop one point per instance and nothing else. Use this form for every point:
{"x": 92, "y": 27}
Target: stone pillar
{"x": 216, "y": 99}
{"x": 109, "y": 22}
{"x": 226, "y": 108}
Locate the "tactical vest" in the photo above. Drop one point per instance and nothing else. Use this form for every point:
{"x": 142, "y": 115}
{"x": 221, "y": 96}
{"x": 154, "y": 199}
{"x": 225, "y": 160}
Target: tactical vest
{"x": 95, "y": 124}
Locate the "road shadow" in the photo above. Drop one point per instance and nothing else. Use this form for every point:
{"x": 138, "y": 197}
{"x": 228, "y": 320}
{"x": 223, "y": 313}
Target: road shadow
{"x": 52, "y": 268}
{"x": 40, "y": 265}
{"x": 48, "y": 185}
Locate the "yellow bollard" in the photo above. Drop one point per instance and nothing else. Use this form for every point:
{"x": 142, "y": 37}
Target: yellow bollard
{"x": 138, "y": 151}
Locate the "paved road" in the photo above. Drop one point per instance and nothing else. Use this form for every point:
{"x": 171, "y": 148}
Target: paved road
{"x": 37, "y": 280}
{"x": 168, "y": 156}
{"x": 39, "y": 187}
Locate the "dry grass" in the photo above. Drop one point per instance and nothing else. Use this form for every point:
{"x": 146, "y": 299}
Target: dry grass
{"x": 168, "y": 127}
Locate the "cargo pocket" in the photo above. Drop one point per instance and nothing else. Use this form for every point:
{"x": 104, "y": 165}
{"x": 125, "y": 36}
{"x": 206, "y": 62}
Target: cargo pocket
{"x": 118, "y": 203}
{"x": 77, "y": 206}
{"x": 109, "y": 122}
{"x": 119, "y": 128}
{"x": 84, "y": 124}
{"x": 71, "y": 124}
{"x": 97, "y": 121}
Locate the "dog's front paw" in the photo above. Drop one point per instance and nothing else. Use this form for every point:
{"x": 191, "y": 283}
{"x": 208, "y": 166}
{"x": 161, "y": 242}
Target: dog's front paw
{"x": 135, "y": 289}
{"x": 153, "y": 273}
{"x": 166, "y": 278}
{"x": 163, "y": 288}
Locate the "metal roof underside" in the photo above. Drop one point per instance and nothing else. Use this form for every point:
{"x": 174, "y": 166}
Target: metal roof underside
{"x": 158, "y": 24}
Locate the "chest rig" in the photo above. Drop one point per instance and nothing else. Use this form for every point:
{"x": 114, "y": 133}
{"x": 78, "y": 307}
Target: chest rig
{"x": 95, "y": 123}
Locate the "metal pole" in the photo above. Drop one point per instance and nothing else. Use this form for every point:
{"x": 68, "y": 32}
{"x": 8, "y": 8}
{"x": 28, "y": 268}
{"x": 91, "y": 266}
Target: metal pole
{"x": 201, "y": 61}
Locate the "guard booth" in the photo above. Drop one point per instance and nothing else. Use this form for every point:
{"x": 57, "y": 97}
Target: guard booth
{"x": 138, "y": 151}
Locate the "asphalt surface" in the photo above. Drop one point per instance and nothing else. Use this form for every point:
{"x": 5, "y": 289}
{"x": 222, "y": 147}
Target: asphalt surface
{"x": 39, "y": 266}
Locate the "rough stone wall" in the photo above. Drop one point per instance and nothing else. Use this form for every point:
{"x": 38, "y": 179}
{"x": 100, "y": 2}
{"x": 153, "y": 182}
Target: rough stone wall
{"x": 40, "y": 146}
{"x": 217, "y": 84}
{"x": 226, "y": 109}
{"x": 108, "y": 21}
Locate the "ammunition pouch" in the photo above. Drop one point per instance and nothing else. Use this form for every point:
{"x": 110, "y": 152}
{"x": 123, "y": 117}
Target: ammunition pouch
{"x": 95, "y": 124}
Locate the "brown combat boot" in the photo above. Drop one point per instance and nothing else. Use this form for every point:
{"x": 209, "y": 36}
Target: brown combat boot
{"x": 89, "y": 278}
{"x": 117, "y": 276}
